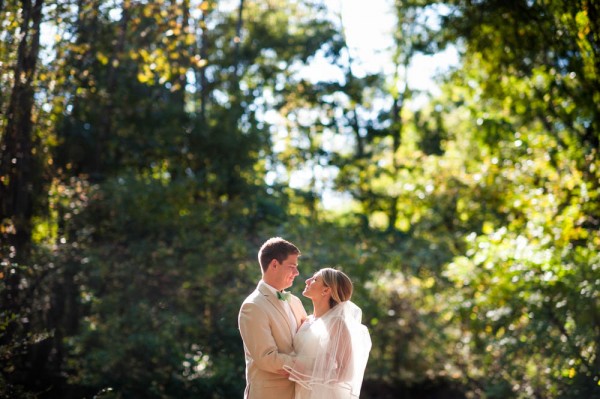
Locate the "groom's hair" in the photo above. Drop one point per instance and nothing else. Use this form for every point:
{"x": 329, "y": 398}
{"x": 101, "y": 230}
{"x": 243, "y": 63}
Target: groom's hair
{"x": 275, "y": 248}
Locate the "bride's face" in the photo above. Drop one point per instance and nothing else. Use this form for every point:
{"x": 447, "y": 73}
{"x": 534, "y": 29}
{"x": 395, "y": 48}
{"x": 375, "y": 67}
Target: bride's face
{"x": 314, "y": 286}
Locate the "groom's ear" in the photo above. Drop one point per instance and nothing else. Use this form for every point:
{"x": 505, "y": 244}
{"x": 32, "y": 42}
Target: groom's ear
{"x": 273, "y": 263}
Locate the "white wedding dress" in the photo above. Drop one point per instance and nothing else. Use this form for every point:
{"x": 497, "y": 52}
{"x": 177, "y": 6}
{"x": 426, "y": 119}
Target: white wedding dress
{"x": 332, "y": 353}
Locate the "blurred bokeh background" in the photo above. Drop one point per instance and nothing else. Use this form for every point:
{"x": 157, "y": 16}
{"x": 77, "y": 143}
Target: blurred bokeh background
{"x": 148, "y": 148}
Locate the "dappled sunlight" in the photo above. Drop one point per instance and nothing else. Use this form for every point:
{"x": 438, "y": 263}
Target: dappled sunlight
{"x": 196, "y": 364}
{"x": 444, "y": 156}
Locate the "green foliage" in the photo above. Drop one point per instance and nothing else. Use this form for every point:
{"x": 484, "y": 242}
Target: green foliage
{"x": 152, "y": 283}
{"x": 168, "y": 134}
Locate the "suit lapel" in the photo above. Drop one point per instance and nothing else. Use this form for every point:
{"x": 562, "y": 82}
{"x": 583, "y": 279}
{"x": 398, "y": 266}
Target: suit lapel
{"x": 278, "y": 304}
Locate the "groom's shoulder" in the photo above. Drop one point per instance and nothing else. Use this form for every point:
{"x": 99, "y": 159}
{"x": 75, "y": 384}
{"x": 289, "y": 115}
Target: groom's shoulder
{"x": 255, "y": 296}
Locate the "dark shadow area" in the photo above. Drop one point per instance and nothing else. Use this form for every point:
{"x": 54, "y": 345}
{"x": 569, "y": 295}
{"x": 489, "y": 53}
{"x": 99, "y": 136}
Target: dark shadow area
{"x": 436, "y": 389}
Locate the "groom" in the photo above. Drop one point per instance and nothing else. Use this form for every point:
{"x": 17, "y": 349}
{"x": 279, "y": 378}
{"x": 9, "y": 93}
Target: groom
{"x": 268, "y": 320}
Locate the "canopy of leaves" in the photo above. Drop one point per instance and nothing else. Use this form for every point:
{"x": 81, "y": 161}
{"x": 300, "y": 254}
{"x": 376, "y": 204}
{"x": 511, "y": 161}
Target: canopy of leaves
{"x": 157, "y": 144}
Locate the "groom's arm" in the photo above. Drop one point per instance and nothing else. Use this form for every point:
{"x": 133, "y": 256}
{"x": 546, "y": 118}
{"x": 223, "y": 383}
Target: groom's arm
{"x": 256, "y": 331}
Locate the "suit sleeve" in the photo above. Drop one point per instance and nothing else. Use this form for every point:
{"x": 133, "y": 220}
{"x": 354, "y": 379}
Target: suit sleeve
{"x": 255, "y": 328}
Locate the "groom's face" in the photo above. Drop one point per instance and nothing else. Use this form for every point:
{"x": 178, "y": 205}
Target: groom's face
{"x": 287, "y": 271}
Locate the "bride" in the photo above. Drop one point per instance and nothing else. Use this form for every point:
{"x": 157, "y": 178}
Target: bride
{"x": 332, "y": 346}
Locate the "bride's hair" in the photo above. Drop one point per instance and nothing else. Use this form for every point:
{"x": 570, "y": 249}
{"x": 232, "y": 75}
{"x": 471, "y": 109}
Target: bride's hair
{"x": 340, "y": 284}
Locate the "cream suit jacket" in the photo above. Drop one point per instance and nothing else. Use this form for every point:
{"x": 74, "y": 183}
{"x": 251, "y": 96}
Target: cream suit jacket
{"x": 268, "y": 343}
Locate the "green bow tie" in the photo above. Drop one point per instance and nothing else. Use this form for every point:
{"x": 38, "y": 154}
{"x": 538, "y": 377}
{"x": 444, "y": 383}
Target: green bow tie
{"x": 284, "y": 296}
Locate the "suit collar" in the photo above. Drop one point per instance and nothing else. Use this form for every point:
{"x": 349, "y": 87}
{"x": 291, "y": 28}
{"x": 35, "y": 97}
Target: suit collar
{"x": 265, "y": 288}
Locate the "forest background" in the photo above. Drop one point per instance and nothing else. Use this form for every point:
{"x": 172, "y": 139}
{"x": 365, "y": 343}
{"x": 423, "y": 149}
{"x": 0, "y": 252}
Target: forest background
{"x": 147, "y": 150}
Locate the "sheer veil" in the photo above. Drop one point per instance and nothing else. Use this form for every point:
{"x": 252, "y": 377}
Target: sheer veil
{"x": 341, "y": 358}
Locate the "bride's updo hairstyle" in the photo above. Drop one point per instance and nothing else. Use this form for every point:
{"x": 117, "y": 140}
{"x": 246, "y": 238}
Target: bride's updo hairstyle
{"x": 340, "y": 284}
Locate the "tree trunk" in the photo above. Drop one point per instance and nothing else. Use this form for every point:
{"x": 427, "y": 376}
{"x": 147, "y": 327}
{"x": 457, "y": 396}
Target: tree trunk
{"x": 17, "y": 175}
{"x": 238, "y": 39}
{"x": 20, "y": 185}
{"x": 203, "y": 90}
